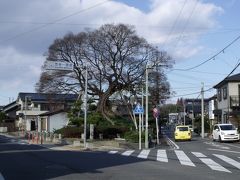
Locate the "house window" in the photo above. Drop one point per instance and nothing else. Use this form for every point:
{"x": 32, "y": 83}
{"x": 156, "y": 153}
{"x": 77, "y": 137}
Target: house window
{"x": 225, "y": 93}
{"x": 219, "y": 95}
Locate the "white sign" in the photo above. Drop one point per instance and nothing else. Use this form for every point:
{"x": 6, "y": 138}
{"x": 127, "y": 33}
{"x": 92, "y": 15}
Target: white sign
{"x": 58, "y": 65}
{"x": 211, "y": 109}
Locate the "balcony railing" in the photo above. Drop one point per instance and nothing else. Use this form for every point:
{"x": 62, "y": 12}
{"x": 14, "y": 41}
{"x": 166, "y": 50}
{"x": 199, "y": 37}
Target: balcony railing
{"x": 234, "y": 101}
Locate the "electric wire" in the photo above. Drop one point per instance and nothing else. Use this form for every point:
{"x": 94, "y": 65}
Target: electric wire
{"x": 212, "y": 57}
{"x": 53, "y": 22}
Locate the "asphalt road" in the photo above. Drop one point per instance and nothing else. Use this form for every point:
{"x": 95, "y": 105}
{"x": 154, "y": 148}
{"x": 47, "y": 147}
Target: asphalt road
{"x": 198, "y": 159}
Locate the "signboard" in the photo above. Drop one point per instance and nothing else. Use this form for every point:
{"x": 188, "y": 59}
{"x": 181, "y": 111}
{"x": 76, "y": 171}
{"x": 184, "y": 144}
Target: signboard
{"x": 155, "y": 113}
{"x": 58, "y": 65}
{"x": 138, "y": 109}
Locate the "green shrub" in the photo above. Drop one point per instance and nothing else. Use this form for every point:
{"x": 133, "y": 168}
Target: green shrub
{"x": 133, "y": 136}
{"x": 110, "y": 132}
{"x": 70, "y": 132}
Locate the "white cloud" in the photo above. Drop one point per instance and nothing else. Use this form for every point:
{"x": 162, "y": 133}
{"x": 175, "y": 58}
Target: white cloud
{"x": 21, "y": 46}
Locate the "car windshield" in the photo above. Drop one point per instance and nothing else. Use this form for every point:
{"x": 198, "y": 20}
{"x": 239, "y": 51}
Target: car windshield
{"x": 227, "y": 127}
{"x": 183, "y": 128}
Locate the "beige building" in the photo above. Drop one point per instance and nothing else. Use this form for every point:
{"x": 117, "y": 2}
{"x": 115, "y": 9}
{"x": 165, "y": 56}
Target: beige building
{"x": 228, "y": 96}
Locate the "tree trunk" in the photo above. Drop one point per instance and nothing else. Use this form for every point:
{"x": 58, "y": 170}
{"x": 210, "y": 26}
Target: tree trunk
{"x": 102, "y": 108}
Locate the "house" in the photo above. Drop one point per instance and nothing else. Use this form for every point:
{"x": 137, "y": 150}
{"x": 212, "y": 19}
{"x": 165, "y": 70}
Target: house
{"x": 50, "y": 121}
{"x": 228, "y": 96}
{"x": 28, "y": 106}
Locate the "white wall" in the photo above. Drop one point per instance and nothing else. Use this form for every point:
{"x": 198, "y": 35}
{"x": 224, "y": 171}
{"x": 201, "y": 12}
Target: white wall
{"x": 57, "y": 121}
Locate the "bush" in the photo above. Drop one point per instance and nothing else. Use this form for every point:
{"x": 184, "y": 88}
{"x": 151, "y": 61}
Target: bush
{"x": 109, "y": 132}
{"x": 70, "y": 132}
{"x": 133, "y": 136}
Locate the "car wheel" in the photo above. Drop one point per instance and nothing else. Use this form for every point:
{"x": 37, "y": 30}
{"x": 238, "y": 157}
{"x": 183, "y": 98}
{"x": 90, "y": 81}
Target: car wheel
{"x": 219, "y": 139}
{"x": 213, "y": 138}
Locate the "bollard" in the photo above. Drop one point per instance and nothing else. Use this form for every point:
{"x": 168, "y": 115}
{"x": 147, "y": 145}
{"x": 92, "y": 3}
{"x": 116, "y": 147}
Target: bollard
{"x": 33, "y": 137}
{"x": 37, "y": 137}
{"x": 29, "y": 136}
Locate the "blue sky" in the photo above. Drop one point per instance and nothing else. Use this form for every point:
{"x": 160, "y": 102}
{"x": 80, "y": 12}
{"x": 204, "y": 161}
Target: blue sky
{"x": 191, "y": 31}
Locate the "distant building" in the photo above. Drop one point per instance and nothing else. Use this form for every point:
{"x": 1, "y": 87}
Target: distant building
{"x": 28, "y": 107}
{"x": 228, "y": 99}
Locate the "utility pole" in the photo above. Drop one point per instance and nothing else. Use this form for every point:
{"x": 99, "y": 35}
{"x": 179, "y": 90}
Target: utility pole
{"x": 193, "y": 115}
{"x": 146, "y": 128}
{"x": 202, "y": 109}
{"x": 85, "y": 109}
{"x": 184, "y": 111}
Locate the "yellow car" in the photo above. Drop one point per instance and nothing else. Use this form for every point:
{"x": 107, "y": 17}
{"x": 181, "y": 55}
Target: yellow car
{"x": 182, "y": 133}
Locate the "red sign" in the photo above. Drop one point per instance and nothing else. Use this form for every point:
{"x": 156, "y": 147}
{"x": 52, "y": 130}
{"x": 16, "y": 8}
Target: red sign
{"x": 155, "y": 112}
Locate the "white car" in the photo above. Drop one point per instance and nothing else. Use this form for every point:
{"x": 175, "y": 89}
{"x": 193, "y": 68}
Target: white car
{"x": 225, "y": 132}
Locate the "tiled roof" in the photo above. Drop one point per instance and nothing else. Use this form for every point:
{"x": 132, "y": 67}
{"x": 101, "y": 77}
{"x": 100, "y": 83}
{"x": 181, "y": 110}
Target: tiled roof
{"x": 233, "y": 78}
{"x": 47, "y": 97}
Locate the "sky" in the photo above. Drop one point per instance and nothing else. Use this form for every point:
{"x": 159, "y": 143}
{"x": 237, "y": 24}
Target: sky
{"x": 190, "y": 31}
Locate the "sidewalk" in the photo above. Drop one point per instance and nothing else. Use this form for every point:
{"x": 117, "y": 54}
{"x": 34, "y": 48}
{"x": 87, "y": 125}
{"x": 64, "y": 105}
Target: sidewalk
{"x": 77, "y": 144}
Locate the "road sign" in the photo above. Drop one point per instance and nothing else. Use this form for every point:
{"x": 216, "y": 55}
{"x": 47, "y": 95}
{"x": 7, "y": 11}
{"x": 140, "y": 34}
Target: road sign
{"x": 155, "y": 112}
{"x": 58, "y": 65}
{"x": 138, "y": 109}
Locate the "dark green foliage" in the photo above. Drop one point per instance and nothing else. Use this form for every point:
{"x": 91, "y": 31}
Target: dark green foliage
{"x": 96, "y": 119}
{"x": 2, "y": 116}
{"x": 198, "y": 125}
{"x": 74, "y": 114}
{"x": 110, "y": 132}
{"x": 133, "y": 136}
{"x": 70, "y": 132}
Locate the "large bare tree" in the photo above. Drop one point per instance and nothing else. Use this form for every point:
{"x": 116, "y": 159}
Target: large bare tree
{"x": 114, "y": 56}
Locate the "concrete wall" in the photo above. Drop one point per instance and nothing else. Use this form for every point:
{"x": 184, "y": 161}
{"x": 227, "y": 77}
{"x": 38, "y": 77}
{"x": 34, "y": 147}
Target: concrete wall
{"x": 57, "y": 121}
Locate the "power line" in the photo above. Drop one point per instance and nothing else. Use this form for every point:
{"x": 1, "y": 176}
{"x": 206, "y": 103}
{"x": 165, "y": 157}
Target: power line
{"x": 174, "y": 24}
{"x": 53, "y": 22}
{"x": 186, "y": 23}
{"x": 212, "y": 57}
{"x": 193, "y": 93}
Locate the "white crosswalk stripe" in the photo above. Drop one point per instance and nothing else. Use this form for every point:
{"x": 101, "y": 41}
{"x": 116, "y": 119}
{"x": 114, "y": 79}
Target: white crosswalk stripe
{"x": 210, "y": 163}
{"x": 228, "y": 160}
{"x": 127, "y": 153}
{"x": 162, "y": 156}
{"x": 113, "y": 152}
{"x": 183, "y": 158}
{"x": 144, "y": 154}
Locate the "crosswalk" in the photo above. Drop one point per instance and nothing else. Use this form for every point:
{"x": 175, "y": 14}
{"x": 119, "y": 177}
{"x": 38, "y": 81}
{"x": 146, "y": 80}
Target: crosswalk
{"x": 216, "y": 162}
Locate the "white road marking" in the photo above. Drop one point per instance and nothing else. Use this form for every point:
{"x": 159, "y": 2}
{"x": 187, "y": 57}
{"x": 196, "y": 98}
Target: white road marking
{"x": 1, "y": 177}
{"x": 162, "y": 156}
{"x": 127, "y": 153}
{"x": 228, "y": 160}
{"x": 172, "y": 143}
{"x": 210, "y": 163}
{"x": 183, "y": 158}
{"x": 112, "y": 152}
{"x": 199, "y": 155}
{"x": 144, "y": 154}
{"x": 213, "y": 165}
{"x": 224, "y": 150}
